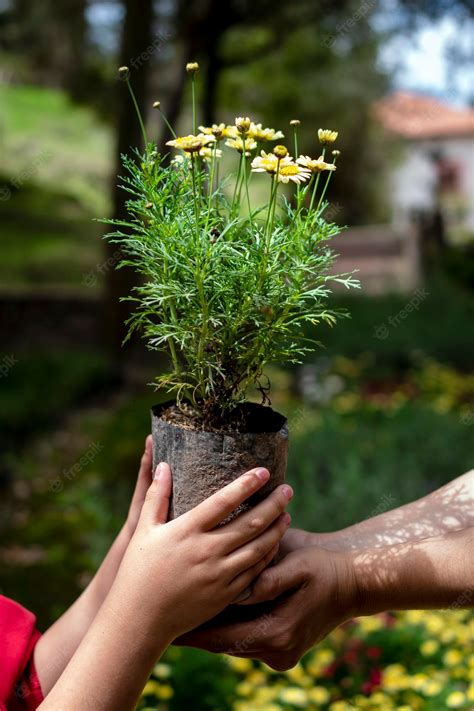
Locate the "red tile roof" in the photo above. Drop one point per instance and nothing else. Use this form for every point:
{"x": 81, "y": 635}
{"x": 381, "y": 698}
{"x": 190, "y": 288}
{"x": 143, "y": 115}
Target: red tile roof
{"x": 416, "y": 116}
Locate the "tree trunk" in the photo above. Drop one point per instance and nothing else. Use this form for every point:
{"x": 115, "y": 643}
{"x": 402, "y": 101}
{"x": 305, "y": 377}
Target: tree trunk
{"x": 136, "y": 43}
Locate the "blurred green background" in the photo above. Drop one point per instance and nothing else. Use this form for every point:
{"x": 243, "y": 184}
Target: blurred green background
{"x": 383, "y": 414}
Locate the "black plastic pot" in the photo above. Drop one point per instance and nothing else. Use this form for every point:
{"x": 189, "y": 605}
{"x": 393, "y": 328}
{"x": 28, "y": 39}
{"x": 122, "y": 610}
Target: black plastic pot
{"x": 203, "y": 462}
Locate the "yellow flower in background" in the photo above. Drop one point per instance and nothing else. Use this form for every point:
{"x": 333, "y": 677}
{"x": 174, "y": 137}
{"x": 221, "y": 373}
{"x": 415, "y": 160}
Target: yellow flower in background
{"x": 190, "y": 143}
{"x": 208, "y": 153}
{"x": 162, "y": 671}
{"x": 341, "y": 706}
{"x": 429, "y": 647}
{"x": 315, "y": 165}
{"x": 165, "y": 692}
{"x": 455, "y": 700}
{"x": 264, "y": 134}
{"x": 238, "y": 144}
{"x": 326, "y": 136}
{"x": 319, "y": 695}
{"x": 452, "y": 657}
{"x": 240, "y": 664}
{"x": 294, "y": 695}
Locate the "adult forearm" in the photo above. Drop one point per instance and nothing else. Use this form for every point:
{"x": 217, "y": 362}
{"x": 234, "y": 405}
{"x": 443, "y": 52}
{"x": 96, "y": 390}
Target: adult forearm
{"x": 448, "y": 509}
{"x": 435, "y": 572}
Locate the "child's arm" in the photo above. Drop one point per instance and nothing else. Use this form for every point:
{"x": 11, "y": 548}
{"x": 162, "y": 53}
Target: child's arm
{"x": 58, "y": 644}
{"x": 173, "y": 577}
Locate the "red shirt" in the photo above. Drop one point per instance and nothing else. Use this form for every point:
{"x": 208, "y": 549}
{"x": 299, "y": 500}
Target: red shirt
{"x": 20, "y": 689}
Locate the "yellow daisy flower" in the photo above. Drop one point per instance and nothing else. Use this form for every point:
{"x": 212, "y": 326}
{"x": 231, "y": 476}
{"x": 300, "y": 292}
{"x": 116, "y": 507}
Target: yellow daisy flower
{"x": 315, "y": 165}
{"x": 264, "y": 134}
{"x": 294, "y": 172}
{"x": 190, "y": 143}
{"x": 455, "y": 700}
{"x": 295, "y": 696}
{"x": 266, "y": 163}
{"x": 243, "y": 124}
{"x": 220, "y": 131}
{"x": 326, "y": 136}
{"x": 207, "y": 153}
{"x": 238, "y": 144}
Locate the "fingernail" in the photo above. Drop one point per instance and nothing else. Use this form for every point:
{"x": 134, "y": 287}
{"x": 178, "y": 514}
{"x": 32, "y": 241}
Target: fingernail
{"x": 287, "y": 492}
{"x": 263, "y": 474}
{"x": 148, "y": 443}
{"x": 286, "y": 518}
{"x": 243, "y": 596}
{"x": 159, "y": 470}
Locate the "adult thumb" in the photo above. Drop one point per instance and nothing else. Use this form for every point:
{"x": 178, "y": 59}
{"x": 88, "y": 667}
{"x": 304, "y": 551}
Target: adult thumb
{"x": 276, "y": 580}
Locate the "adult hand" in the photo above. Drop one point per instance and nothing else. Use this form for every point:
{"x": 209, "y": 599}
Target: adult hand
{"x": 307, "y": 594}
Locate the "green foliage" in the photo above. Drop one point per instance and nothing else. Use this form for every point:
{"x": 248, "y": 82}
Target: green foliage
{"x": 223, "y": 294}
{"x": 370, "y": 460}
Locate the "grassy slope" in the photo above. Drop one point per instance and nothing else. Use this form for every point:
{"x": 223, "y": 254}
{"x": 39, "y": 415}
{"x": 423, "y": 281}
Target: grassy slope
{"x": 54, "y": 181}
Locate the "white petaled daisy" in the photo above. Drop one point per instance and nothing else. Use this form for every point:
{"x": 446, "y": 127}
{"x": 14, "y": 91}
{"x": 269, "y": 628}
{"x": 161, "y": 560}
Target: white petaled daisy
{"x": 190, "y": 143}
{"x": 268, "y": 162}
{"x": 208, "y": 153}
{"x": 294, "y": 172}
{"x": 264, "y": 134}
{"x": 220, "y": 131}
{"x": 238, "y": 144}
{"x": 242, "y": 123}
{"x": 315, "y": 165}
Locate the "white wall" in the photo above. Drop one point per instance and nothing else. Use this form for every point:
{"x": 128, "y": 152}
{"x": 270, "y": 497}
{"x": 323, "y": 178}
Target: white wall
{"x": 414, "y": 178}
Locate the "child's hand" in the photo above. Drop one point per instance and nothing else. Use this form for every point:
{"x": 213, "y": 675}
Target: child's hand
{"x": 144, "y": 480}
{"x": 176, "y": 575}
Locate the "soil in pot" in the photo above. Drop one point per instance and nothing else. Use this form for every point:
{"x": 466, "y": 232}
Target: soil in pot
{"x": 204, "y": 461}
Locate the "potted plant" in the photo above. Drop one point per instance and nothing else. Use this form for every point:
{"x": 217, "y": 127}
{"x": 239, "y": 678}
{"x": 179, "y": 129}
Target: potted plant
{"x": 227, "y": 287}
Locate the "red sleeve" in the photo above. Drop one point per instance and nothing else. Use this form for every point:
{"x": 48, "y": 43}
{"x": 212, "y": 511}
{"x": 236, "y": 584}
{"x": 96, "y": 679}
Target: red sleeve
{"x": 19, "y": 684}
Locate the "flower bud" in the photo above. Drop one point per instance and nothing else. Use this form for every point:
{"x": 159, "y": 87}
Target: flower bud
{"x": 192, "y": 67}
{"x": 149, "y": 205}
{"x": 123, "y": 72}
{"x": 280, "y": 151}
{"x": 156, "y": 104}
{"x": 295, "y": 122}
{"x": 243, "y": 124}
{"x": 336, "y": 153}
{"x": 326, "y": 136}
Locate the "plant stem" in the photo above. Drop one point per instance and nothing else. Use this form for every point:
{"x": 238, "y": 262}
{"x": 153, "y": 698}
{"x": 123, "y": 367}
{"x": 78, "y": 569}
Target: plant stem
{"x": 211, "y": 184}
{"x": 295, "y": 137}
{"x": 195, "y": 196}
{"x": 171, "y": 129}
{"x": 316, "y": 183}
{"x": 142, "y": 126}
{"x": 194, "y": 105}
{"x": 235, "y": 189}
{"x": 325, "y": 187}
